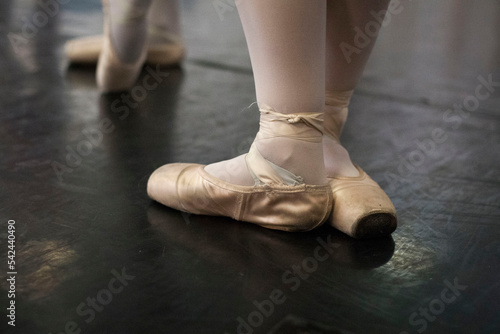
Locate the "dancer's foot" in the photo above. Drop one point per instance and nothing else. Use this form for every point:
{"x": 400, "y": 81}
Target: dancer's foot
{"x": 125, "y": 44}
{"x": 165, "y": 45}
{"x": 269, "y": 192}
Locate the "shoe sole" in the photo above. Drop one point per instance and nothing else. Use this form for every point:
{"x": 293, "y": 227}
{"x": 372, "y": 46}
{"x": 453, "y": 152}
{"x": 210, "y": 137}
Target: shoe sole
{"x": 376, "y": 225}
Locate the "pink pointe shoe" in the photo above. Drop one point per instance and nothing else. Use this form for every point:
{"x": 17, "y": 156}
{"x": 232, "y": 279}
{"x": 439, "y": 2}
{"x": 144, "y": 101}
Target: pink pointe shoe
{"x": 361, "y": 208}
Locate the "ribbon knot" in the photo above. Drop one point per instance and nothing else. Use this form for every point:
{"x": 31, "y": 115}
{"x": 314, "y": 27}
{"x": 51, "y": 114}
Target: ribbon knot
{"x": 294, "y": 118}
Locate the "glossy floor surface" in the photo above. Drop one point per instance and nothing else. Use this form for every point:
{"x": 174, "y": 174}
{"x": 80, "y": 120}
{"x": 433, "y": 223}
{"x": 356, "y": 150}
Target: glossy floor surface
{"x": 95, "y": 255}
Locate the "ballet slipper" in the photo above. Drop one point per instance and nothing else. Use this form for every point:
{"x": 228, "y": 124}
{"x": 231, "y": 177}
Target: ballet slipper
{"x": 86, "y": 50}
{"x": 112, "y": 74}
{"x": 361, "y": 208}
{"x": 278, "y": 200}
{"x": 169, "y": 52}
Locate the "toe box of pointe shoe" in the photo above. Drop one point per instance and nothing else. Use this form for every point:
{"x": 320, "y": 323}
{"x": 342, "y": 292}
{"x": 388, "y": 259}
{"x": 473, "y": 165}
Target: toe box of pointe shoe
{"x": 364, "y": 211}
{"x": 163, "y": 184}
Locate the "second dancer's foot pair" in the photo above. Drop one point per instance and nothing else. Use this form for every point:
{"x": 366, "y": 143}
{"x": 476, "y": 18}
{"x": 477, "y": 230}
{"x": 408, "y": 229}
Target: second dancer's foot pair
{"x": 279, "y": 199}
{"x": 159, "y": 44}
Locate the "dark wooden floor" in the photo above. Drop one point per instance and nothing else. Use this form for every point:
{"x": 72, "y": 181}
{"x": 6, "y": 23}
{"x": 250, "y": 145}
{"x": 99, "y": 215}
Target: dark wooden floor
{"x": 95, "y": 255}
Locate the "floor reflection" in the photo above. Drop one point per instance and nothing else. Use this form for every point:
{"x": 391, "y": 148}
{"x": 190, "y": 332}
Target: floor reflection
{"x": 251, "y": 250}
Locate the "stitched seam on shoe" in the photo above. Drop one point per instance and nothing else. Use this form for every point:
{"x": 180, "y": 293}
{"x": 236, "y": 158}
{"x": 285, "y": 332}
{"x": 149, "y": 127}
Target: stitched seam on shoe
{"x": 329, "y": 207}
{"x": 328, "y": 210}
{"x": 183, "y": 171}
{"x": 240, "y": 207}
{"x": 349, "y": 178}
{"x": 335, "y": 188}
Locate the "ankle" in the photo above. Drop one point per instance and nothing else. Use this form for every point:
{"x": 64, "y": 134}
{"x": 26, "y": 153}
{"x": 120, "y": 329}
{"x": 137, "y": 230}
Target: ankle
{"x": 336, "y": 110}
{"x": 302, "y": 158}
{"x": 286, "y": 145}
{"x": 336, "y": 159}
{"x": 335, "y": 118}
{"x": 293, "y": 142}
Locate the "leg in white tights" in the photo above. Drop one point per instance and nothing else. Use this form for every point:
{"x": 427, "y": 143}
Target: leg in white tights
{"x": 128, "y": 27}
{"x": 343, "y": 73}
{"x": 286, "y": 42}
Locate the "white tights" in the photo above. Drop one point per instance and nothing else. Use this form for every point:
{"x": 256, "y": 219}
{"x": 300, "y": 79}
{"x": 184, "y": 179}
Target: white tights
{"x": 287, "y": 49}
{"x": 136, "y": 22}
